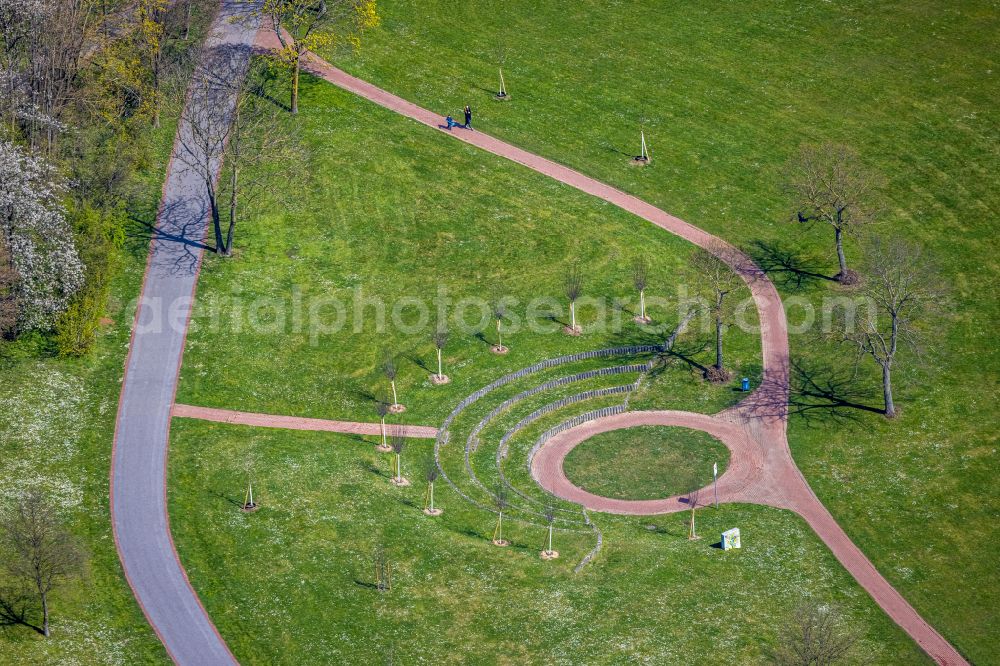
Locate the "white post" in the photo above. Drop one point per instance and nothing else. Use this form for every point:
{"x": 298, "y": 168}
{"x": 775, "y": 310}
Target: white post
{"x": 642, "y": 136}
{"x": 440, "y": 374}
{"x": 395, "y": 400}
{"x": 503, "y": 90}
{"x": 432, "y": 497}
{"x": 715, "y": 482}
{"x": 499, "y": 335}
{"x": 642, "y": 303}
{"x": 572, "y": 312}
{"x": 550, "y": 537}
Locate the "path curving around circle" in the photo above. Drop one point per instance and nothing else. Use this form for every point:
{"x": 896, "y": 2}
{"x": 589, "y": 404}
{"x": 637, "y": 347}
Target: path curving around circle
{"x": 763, "y": 415}
{"x": 746, "y": 461}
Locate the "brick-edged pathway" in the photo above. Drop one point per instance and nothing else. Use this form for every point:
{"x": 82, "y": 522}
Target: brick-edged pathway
{"x": 298, "y": 422}
{"x": 780, "y": 482}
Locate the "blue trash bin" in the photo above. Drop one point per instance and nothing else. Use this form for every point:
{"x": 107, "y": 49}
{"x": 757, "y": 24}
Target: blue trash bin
{"x": 745, "y": 384}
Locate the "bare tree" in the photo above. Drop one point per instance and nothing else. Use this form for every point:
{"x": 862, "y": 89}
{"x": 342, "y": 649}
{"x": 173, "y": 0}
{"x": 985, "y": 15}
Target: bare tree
{"x": 829, "y": 185}
{"x": 304, "y": 26}
{"x": 501, "y": 502}
{"x": 432, "y": 475}
{"x": 440, "y": 340}
{"x": 40, "y": 552}
{"x": 499, "y": 308}
{"x": 640, "y": 279}
{"x": 905, "y": 291}
{"x": 692, "y": 499}
{"x": 574, "y": 287}
{"x": 815, "y": 636}
{"x": 249, "y": 467}
{"x": 153, "y": 35}
{"x": 390, "y": 370}
{"x": 8, "y": 291}
{"x": 258, "y": 150}
{"x": 42, "y": 45}
{"x": 550, "y": 518}
{"x": 383, "y": 571}
{"x": 722, "y": 281}
{"x": 398, "y": 443}
{"x": 382, "y": 408}
{"x": 202, "y": 142}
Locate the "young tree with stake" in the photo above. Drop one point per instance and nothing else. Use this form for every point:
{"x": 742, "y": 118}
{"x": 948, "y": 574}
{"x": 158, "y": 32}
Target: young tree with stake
{"x": 828, "y": 184}
{"x": 382, "y": 409}
{"x": 574, "y": 287}
{"x": 501, "y": 503}
{"x": 692, "y": 498}
{"x": 249, "y": 463}
{"x": 501, "y": 48}
{"x": 383, "y": 571}
{"x": 398, "y": 442}
{"x": 499, "y": 312}
{"x": 38, "y": 550}
{"x": 440, "y": 339}
{"x": 390, "y": 370}
{"x": 640, "y": 279}
{"x": 550, "y": 518}
{"x": 432, "y": 475}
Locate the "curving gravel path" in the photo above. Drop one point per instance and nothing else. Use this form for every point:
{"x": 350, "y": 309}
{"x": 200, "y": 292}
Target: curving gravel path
{"x": 758, "y": 424}
{"x": 139, "y": 461}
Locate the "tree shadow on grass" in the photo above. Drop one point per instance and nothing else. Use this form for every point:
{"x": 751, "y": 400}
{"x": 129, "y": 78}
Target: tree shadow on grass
{"x": 613, "y": 149}
{"x": 15, "y": 605}
{"x": 417, "y": 361}
{"x": 819, "y": 393}
{"x": 226, "y": 498}
{"x": 374, "y": 469}
{"x": 786, "y": 265}
{"x": 481, "y": 336}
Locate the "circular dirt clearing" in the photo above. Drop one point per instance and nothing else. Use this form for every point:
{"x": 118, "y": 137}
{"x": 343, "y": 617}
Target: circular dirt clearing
{"x": 645, "y": 462}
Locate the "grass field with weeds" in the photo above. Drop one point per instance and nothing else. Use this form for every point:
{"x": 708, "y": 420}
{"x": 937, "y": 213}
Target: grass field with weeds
{"x": 726, "y": 93}
{"x": 294, "y": 582}
{"x": 397, "y": 223}
{"x": 646, "y": 462}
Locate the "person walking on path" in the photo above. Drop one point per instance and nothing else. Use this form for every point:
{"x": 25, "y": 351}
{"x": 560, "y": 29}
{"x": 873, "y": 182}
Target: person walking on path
{"x": 468, "y": 117}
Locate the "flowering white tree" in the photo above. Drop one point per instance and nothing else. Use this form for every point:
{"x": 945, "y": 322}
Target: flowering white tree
{"x": 38, "y": 238}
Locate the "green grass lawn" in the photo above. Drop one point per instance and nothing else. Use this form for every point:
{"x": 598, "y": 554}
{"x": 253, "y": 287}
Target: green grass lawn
{"x": 292, "y": 583}
{"x": 646, "y": 462}
{"x": 398, "y": 214}
{"x": 57, "y": 421}
{"x": 726, "y": 93}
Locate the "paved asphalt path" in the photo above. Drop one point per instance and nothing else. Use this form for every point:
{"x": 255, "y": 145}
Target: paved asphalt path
{"x": 138, "y": 472}
{"x": 761, "y": 419}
